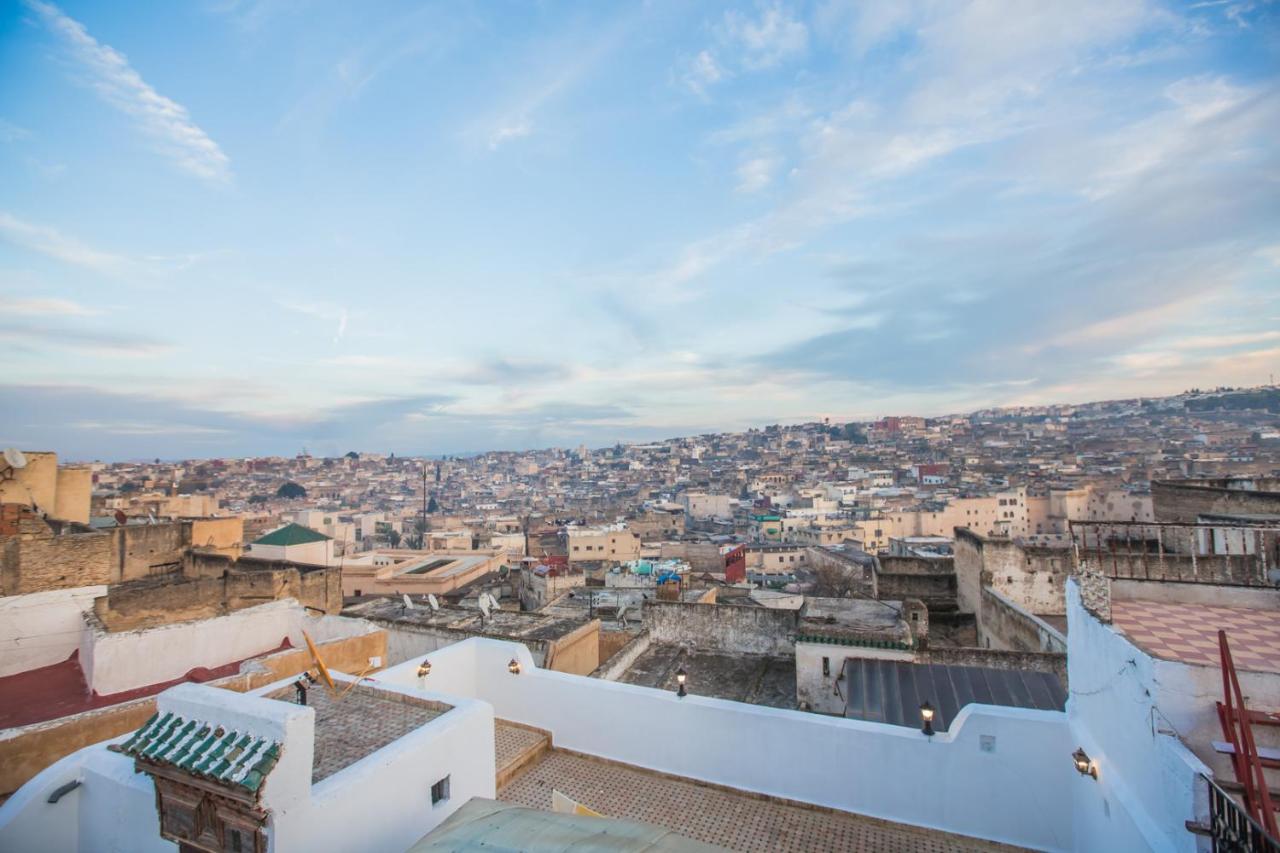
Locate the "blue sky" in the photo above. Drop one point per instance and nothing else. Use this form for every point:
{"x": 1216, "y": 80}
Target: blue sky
{"x": 240, "y": 227}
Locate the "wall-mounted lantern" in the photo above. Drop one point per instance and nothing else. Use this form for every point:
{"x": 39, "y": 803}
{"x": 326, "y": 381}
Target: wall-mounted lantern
{"x": 513, "y": 666}
{"x": 424, "y": 668}
{"x": 681, "y": 677}
{"x": 926, "y": 718}
{"x": 1085, "y": 765}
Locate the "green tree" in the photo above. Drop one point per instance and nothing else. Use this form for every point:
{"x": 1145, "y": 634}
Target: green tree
{"x": 291, "y": 490}
{"x": 393, "y": 538}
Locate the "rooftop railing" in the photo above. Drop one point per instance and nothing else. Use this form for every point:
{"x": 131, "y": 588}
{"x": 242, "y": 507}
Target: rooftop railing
{"x": 1237, "y": 554}
{"x": 1231, "y": 828}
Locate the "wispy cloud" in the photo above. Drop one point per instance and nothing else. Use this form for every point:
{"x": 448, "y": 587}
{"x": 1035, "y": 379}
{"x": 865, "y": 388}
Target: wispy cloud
{"x": 43, "y": 306}
{"x": 54, "y": 244}
{"x": 166, "y": 121}
{"x": 776, "y": 35}
{"x": 56, "y": 339}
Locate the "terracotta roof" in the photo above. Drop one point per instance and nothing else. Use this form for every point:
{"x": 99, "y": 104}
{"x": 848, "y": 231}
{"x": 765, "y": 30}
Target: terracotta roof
{"x": 206, "y": 750}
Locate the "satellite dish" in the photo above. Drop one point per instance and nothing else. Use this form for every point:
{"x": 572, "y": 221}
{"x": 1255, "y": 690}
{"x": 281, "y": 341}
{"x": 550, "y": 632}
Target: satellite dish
{"x": 408, "y": 605}
{"x": 431, "y": 599}
{"x": 15, "y": 457}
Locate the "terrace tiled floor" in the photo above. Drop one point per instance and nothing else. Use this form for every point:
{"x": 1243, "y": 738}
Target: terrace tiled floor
{"x": 729, "y": 819}
{"x": 1189, "y": 632}
{"x": 512, "y": 745}
{"x": 359, "y": 723}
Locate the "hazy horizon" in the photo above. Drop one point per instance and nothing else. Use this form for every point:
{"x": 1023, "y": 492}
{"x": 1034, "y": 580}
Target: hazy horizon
{"x": 241, "y": 227}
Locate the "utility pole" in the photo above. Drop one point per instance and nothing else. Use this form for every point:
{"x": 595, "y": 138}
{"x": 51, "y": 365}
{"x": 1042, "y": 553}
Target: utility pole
{"x": 423, "y": 538}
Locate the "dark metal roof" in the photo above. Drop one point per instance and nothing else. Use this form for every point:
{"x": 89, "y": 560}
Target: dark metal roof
{"x": 891, "y": 691}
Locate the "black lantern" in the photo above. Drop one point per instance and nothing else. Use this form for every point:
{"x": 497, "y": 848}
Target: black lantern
{"x": 1085, "y": 765}
{"x": 424, "y": 668}
{"x": 926, "y": 718}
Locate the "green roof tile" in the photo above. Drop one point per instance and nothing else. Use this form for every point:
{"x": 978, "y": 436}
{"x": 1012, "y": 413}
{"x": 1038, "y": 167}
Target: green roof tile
{"x": 291, "y": 534}
{"x": 204, "y": 749}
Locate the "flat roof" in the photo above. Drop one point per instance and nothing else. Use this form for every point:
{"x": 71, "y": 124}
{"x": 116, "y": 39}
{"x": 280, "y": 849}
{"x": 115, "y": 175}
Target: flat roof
{"x": 359, "y": 721}
{"x": 1189, "y": 632}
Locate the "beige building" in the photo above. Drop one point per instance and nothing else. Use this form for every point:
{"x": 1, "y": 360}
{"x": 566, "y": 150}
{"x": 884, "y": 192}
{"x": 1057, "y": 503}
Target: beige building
{"x": 59, "y": 492}
{"x": 389, "y": 571}
{"x": 612, "y": 544}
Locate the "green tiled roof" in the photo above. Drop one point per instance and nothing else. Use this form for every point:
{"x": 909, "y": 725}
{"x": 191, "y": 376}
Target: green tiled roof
{"x": 291, "y": 534}
{"x": 203, "y": 749}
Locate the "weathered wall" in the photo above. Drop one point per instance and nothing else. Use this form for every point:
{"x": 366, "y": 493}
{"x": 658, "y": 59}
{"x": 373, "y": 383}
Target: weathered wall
{"x": 140, "y": 550}
{"x": 933, "y": 581}
{"x": 35, "y": 484}
{"x": 36, "y": 559}
{"x": 1174, "y": 500}
{"x": 612, "y": 667}
{"x": 1053, "y": 662}
{"x": 224, "y": 535}
{"x": 611, "y": 642}
{"x": 577, "y": 652}
{"x": 1032, "y": 577}
{"x": 208, "y": 592}
{"x": 74, "y": 490}
{"x": 1002, "y": 624}
{"x": 722, "y": 627}
{"x": 823, "y": 559}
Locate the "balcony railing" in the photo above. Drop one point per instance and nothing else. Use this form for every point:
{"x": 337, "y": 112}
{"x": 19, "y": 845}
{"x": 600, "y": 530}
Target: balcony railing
{"x": 1231, "y": 828}
{"x": 1233, "y": 554}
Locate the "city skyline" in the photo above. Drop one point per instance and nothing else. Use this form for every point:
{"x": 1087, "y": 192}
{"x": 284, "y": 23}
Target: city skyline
{"x": 240, "y": 228}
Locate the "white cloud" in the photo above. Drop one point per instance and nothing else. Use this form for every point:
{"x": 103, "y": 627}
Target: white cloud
{"x": 703, "y": 72}
{"x": 121, "y": 86}
{"x": 756, "y": 173}
{"x": 518, "y": 130}
{"x": 43, "y": 306}
{"x": 10, "y": 132}
{"x": 774, "y": 37}
{"x": 52, "y": 243}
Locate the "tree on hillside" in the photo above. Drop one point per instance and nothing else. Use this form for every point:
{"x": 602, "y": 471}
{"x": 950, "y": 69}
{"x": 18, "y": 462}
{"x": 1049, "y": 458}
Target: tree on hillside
{"x": 351, "y": 454}
{"x": 291, "y": 490}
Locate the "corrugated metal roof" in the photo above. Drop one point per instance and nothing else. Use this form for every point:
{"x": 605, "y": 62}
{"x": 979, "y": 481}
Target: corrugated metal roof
{"x": 891, "y": 691}
{"x": 207, "y": 750}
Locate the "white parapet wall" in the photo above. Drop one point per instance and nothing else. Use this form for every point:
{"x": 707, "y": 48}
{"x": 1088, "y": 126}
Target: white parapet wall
{"x": 1000, "y": 773}
{"x": 42, "y": 628}
{"x": 1127, "y": 711}
{"x": 114, "y": 662}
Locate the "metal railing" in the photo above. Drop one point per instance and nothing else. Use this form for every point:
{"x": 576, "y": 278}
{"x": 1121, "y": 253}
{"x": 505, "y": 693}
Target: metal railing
{"x": 1232, "y": 554}
{"x": 1232, "y": 829}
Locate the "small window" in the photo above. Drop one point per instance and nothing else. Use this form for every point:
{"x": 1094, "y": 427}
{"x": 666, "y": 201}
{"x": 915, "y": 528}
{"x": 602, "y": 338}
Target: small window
{"x": 440, "y": 791}
{"x": 826, "y": 666}
{"x": 358, "y": 592}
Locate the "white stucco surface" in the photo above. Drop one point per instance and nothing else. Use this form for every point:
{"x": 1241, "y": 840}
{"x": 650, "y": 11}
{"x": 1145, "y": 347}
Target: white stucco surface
{"x": 948, "y": 782}
{"x": 42, "y": 628}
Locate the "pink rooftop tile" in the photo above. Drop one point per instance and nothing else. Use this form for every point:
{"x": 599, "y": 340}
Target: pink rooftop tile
{"x": 1189, "y": 632}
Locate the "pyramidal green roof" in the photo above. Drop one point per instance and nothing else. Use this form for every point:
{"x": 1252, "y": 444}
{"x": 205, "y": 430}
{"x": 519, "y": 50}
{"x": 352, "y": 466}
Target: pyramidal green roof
{"x": 204, "y": 749}
{"x": 291, "y": 534}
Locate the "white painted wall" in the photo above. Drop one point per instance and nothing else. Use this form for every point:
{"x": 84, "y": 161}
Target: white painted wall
{"x": 818, "y": 690}
{"x": 1014, "y": 794}
{"x": 115, "y": 662}
{"x": 1148, "y": 784}
{"x": 42, "y": 628}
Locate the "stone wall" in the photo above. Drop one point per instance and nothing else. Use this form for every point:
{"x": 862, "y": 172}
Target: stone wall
{"x": 1002, "y": 624}
{"x": 825, "y": 559}
{"x": 1055, "y": 663}
{"x": 612, "y": 667}
{"x": 150, "y": 602}
{"x": 1033, "y": 577}
{"x": 933, "y": 581}
{"x": 36, "y": 559}
{"x": 722, "y": 627}
{"x": 1186, "y": 501}
{"x": 577, "y": 652}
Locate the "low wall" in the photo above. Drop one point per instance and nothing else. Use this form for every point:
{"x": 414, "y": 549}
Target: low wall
{"x": 1002, "y": 624}
{"x": 890, "y": 772}
{"x": 114, "y": 662}
{"x": 618, "y": 663}
{"x": 42, "y": 628}
{"x": 722, "y": 627}
{"x": 1052, "y": 662}
{"x": 578, "y": 651}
